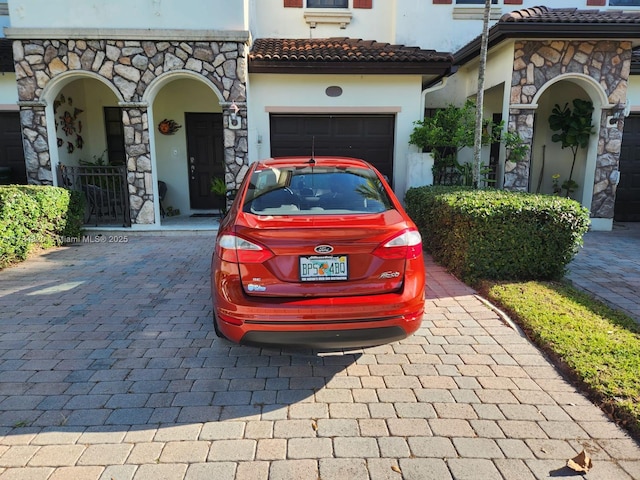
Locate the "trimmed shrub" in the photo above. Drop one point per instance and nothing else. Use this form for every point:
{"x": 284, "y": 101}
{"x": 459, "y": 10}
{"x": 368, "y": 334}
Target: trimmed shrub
{"x": 36, "y": 215}
{"x": 495, "y": 234}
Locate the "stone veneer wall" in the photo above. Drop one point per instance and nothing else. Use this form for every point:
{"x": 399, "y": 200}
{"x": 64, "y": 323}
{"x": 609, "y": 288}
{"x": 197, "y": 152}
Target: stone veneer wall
{"x": 130, "y": 66}
{"x": 538, "y": 62}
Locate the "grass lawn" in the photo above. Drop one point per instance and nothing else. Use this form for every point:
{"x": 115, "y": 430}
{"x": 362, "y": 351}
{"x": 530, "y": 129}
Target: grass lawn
{"x": 594, "y": 345}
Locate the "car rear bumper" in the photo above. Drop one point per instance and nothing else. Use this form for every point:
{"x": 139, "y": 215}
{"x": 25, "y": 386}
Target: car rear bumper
{"x": 341, "y": 323}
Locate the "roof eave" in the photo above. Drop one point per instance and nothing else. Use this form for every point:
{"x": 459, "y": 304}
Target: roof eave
{"x": 435, "y": 68}
{"x": 503, "y": 31}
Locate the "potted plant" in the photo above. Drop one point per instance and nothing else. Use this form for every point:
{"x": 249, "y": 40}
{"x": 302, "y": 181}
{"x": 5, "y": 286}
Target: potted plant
{"x": 573, "y": 128}
{"x": 219, "y": 189}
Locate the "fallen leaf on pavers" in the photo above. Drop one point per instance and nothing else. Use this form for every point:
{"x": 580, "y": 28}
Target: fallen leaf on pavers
{"x": 314, "y": 425}
{"x": 395, "y": 468}
{"x": 580, "y": 463}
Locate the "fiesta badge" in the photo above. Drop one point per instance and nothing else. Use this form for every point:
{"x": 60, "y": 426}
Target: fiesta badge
{"x": 323, "y": 249}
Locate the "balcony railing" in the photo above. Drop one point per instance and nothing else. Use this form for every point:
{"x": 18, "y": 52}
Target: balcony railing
{"x": 105, "y": 190}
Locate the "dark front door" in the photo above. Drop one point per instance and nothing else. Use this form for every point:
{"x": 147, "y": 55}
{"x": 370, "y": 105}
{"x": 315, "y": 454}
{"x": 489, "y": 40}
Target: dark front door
{"x": 11, "y": 149}
{"x": 627, "y": 207}
{"x": 370, "y": 137}
{"x": 205, "y": 157}
{"x": 494, "y": 154}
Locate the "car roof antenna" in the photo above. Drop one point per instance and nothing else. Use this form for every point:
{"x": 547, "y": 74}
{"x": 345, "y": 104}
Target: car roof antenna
{"x": 312, "y": 160}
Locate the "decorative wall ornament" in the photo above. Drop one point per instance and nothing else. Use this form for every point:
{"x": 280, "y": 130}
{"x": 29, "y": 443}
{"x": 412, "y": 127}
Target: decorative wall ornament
{"x": 168, "y": 127}
{"x": 70, "y": 123}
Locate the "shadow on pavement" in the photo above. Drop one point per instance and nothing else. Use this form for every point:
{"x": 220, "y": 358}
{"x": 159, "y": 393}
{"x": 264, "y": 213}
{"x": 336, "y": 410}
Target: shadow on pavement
{"x": 107, "y": 337}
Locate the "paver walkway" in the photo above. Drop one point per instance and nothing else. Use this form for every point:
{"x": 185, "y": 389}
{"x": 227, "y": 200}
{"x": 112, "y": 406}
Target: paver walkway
{"x": 608, "y": 267}
{"x": 109, "y": 369}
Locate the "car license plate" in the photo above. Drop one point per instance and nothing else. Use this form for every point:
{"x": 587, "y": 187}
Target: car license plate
{"x": 323, "y": 268}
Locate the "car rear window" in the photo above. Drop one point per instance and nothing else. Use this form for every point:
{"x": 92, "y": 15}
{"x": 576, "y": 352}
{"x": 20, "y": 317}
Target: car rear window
{"x": 315, "y": 191}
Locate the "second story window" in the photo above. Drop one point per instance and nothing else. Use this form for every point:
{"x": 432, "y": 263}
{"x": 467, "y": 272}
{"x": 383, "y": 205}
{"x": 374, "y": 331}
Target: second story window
{"x": 327, "y": 3}
{"x": 624, "y": 3}
{"x": 473, "y": 2}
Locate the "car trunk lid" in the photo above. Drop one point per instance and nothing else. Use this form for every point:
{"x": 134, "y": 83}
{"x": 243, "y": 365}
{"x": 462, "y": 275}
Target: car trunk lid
{"x": 324, "y": 255}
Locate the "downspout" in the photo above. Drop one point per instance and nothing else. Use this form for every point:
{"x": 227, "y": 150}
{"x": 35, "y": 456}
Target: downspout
{"x": 435, "y": 88}
{"x": 415, "y": 167}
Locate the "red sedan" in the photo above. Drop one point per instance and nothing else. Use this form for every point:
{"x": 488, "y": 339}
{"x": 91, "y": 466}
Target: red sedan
{"x": 319, "y": 253}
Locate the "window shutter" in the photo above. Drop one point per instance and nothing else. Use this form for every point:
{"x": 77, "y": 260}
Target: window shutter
{"x": 362, "y": 3}
{"x": 596, "y": 3}
{"x": 442, "y": 2}
{"x": 513, "y": 2}
{"x": 293, "y": 3}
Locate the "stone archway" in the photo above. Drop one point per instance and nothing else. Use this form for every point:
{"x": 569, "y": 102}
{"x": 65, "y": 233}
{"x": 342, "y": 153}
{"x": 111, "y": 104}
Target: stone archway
{"x": 235, "y": 139}
{"x": 85, "y": 95}
{"x": 130, "y": 66}
{"x": 601, "y": 68}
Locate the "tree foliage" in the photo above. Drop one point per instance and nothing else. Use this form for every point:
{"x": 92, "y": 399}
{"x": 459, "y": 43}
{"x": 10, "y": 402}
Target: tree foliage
{"x": 448, "y": 131}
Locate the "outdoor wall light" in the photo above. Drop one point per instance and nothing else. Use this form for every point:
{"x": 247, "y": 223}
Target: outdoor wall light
{"x": 618, "y": 112}
{"x": 234, "y": 121}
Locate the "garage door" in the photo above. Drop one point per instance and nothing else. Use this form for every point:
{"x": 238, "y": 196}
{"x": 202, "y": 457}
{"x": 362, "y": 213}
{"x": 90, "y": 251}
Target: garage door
{"x": 11, "y": 150}
{"x": 370, "y": 137}
{"x": 627, "y": 208}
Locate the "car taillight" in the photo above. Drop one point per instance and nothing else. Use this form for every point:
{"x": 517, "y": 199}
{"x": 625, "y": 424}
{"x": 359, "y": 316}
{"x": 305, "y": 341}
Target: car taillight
{"x": 406, "y": 245}
{"x": 239, "y": 250}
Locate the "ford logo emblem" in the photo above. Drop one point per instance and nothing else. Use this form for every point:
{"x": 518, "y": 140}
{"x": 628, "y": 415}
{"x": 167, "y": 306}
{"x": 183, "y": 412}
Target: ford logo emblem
{"x": 323, "y": 249}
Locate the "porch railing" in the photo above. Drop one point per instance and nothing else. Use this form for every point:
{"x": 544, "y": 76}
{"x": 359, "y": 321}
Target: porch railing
{"x": 105, "y": 190}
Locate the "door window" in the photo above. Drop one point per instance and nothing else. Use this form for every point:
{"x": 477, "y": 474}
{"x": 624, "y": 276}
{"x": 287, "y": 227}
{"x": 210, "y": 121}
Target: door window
{"x": 115, "y": 135}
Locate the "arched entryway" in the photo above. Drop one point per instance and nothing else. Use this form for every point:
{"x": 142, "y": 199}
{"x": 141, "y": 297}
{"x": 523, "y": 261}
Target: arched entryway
{"x": 191, "y": 153}
{"x": 82, "y": 109}
{"x": 546, "y": 73}
{"x": 552, "y": 165}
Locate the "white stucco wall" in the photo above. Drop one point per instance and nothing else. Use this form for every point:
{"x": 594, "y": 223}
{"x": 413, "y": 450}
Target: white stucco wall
{"x": 361, "y": 94}
{"x": 155, "y": 14}
{"x": 268, "y": 18}
{"x": 464, "y": 83}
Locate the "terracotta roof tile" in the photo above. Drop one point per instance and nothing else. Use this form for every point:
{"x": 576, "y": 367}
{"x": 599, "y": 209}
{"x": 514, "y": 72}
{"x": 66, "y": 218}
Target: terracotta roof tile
{"x": 570, "y": 15}
{"x": 550, "y": 23}
{"x": 340, "y": 50}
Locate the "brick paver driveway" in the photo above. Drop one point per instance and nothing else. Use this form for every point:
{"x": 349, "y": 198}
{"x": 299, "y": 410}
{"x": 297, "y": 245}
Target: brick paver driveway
{"x": 109, "y": 369}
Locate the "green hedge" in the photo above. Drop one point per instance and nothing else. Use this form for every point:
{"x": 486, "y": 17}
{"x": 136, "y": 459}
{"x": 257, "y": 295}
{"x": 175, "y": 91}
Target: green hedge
{"x": 36, "y": 215}
{"x": 496, "y": 234}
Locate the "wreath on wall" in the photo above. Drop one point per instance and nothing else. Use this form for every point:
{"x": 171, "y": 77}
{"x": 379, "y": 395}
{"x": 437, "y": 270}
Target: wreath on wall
{"x": 168, "y": 127}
